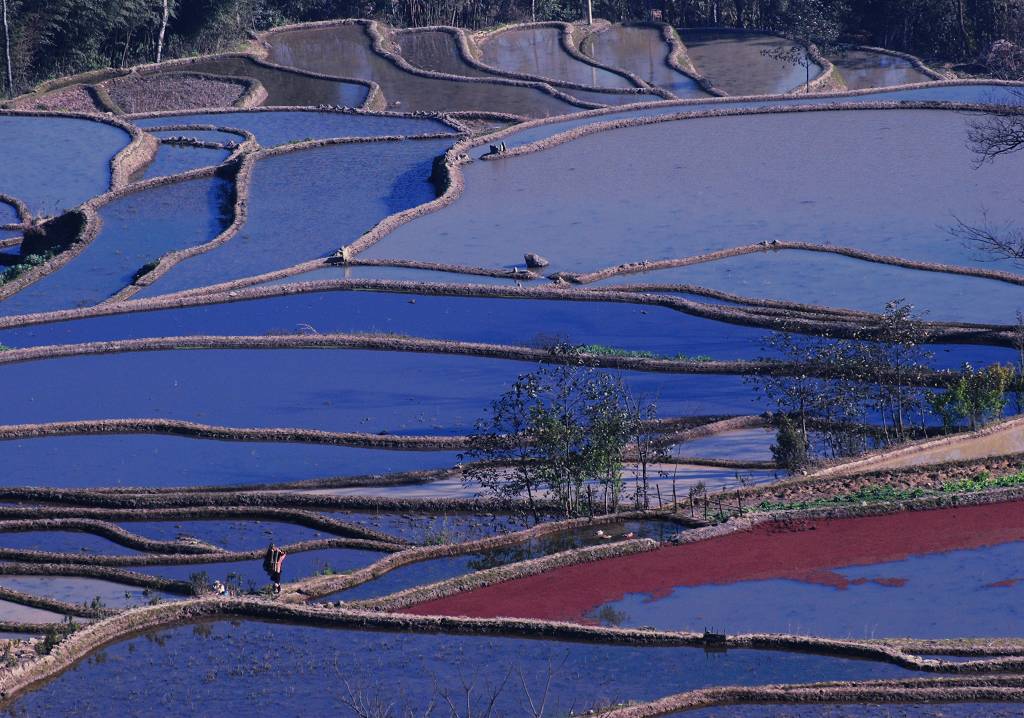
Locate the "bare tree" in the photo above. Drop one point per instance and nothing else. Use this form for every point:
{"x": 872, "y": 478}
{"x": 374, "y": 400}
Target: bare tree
{"x": 808, "y": 22}
{"x": 472, "y": 710}
{"x": 473, "y": 697}
{"x": 1018, "y": 344}
{"x": 165, "y": 15}
{"x": 7, "y": 52}
{"x": 998, "y": 132}
{"x": 645, "y": 435}
{"x": 1006, "y": 242}
{"x": 536, "y": 706}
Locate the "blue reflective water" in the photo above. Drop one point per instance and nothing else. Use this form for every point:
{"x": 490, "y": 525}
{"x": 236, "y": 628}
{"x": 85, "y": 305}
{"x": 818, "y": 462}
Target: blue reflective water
{"x": 748, "y": 444}
{"x": 308, "y": 204}
{"x": 439, "y": 569}
{"x": 538, "y": 51}
{"x": 533, "y": 322}
{"x": 136, "y": 230}
{"x": 278, "y": 127}
{"x": 678, "y": 189}
{"x": 981, "y": 93}
{"x": 262, "y": 669}
{"x": 79, "y": 589}
{"x": 251, "y": 576}
{"x": 174, "y": 159}
{"x": 338, "y": 390}
{"x": 160, "y": 461}
{"x": 229, "y": 534}
{"x": 62, "y": 542}
{"x": 837, "y": 281}
{"x": 37, "y": 149}
{"x": 959, "y": 593}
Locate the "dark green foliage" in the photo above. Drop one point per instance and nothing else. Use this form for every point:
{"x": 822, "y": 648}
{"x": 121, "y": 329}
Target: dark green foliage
{"x": 561, "y": 431}
{"x": 200, "y": 582}
{"x": 602, "y": 350}
{"x": 976, "y": 397}
{"x": 29, "y": 262}
{"x": 791, "y": 449}
{"x": 54, "y": 635}
{"x": 144, "y": 270}
{"x": 885, "y": 492}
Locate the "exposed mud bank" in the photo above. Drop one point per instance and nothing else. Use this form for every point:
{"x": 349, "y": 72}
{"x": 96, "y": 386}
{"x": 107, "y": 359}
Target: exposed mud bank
{"x": 190, "y": 429}
{"x": 882, "y": 692}
{"x": 24, "y": 215}
{"x": 107, "y": 530}
{"x": 49, "y": 558}
{"x": 134, "y": 621}
{"x": 654, "y": 265}
{"x": 904, "y": 455}
{"x": 179, "y": 91}
{"x": 324, "y": 585}
{"x": 52, "y": 604}
{"x": 41, "y": 518}
{"x": 426, "y": 594}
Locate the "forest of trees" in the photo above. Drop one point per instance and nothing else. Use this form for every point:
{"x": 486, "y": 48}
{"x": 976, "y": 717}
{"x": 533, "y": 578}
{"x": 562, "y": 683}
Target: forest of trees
{"x": 48, "y": 38}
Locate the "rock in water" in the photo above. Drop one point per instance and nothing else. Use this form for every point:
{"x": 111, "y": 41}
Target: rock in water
{"x": 535, "y": 261}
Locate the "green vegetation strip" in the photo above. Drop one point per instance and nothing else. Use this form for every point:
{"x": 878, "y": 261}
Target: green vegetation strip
{"x": 887, "y": 492}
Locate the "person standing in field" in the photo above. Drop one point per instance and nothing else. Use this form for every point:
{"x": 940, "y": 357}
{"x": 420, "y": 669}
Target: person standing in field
{"x": 273, "y": 561}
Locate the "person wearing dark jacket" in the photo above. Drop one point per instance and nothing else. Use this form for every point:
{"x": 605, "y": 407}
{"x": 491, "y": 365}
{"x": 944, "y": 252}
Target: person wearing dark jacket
{"x": 273, "y": 561}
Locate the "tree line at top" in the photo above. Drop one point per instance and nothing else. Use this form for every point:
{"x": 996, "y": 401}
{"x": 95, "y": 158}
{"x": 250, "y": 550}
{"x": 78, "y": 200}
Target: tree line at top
{"x": 43, "y": 39}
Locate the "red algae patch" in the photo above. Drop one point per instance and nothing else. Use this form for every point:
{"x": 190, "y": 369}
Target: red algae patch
{"x": 799, "y": 550}
{"x": 1005, "y": 583}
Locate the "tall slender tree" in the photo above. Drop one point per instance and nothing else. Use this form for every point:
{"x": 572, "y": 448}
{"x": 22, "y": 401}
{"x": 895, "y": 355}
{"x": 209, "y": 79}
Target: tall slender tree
{"x": 165, "y": 16}
{"x": 7, "y": 52}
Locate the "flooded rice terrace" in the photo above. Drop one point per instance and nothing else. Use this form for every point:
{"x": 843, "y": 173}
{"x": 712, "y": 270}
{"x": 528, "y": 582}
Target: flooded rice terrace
{"x": 571, "y": 367}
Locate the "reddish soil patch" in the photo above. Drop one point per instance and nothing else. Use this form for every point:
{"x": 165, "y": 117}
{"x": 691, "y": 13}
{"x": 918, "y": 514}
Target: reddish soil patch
{"x": 841, "y": 582}
{"x": 69, "y": 99}
{"x": 154, "y": 93}
{"x": 1005, "y": 583}
{"x": 802, "y": 551}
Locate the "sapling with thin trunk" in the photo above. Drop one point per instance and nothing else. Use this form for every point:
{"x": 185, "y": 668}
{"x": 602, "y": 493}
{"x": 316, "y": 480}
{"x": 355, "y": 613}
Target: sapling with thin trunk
{"x": 7, "y": 51}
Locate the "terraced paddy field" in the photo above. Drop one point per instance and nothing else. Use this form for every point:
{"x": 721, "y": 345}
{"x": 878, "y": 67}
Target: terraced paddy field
{"x": 644, "y": 52}
{"x": 862, "y": 69}
{"x": 306, "y": 657}
{"x": 738, "y": 64}
{"x": 538, "y": 51}
{"x": 616, "y": 368}
{"x": 854, "y": 578}
{"x": 344, "y": 50}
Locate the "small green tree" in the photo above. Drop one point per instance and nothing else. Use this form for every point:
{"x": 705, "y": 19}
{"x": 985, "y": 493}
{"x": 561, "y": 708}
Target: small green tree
{"x": 55, "y": 634}
{"x": 556, "y": 431}
{"x": 975, "y": 397}
{"x": 791, "y": 449}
